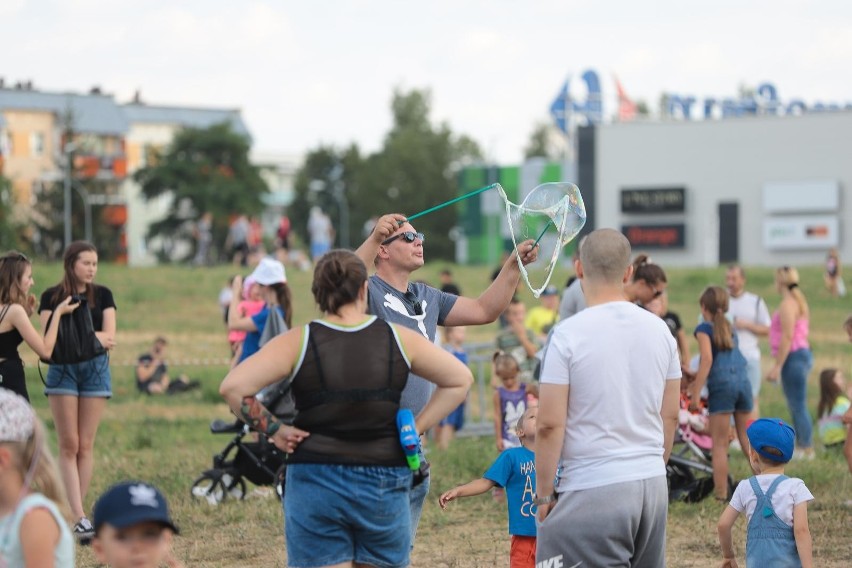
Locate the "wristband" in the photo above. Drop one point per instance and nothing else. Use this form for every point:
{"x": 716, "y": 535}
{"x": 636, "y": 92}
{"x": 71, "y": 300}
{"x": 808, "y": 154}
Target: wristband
{"x": 547, "y": 499}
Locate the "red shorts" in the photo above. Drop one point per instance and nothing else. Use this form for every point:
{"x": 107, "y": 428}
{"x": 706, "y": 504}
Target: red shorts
{"x": 522, "y": 553}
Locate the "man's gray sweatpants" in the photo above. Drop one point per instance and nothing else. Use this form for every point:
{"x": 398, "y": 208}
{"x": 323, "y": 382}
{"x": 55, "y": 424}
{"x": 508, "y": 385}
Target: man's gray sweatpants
{"x": 623, "y": 524}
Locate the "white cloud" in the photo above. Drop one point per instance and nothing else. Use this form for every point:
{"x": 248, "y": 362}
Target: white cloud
{"x": 10, "y": 8}
{"x": 304, "y": 73}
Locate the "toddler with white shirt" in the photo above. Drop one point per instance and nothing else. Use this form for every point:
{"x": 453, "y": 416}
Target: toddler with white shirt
{"x": 775, "y": 505}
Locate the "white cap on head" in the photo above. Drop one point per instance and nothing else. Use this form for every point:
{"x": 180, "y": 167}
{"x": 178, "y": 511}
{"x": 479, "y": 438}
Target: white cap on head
{"x": 268, "y": 272}
{"x": 17, "y": 419}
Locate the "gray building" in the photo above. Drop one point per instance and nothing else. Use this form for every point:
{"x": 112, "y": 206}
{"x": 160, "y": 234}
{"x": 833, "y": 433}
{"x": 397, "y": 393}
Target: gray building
{"x": 761, "y": 190}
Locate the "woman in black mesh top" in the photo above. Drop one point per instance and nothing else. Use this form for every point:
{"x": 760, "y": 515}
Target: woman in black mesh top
{"x": 347, "y": 479}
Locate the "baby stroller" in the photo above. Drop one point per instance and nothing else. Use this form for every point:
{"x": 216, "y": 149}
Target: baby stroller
{"x": 259, "y": 462}
{"x": 689, "y": 470}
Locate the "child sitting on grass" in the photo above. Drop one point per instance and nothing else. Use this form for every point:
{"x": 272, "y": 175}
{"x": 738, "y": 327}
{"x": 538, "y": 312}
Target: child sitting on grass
{"x": 833, "y": 404}
{"x": 775, "y": 505}
{"x": 514, "y": 469}
{"x": 133, "y": 528}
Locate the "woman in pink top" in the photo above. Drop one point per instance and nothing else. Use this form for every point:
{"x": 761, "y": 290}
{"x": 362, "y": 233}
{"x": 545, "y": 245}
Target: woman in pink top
{"x": 788, "y": 339}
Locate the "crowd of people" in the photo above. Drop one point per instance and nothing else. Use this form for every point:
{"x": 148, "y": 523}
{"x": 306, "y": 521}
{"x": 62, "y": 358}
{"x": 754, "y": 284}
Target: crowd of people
{"x": 587, "y": 393}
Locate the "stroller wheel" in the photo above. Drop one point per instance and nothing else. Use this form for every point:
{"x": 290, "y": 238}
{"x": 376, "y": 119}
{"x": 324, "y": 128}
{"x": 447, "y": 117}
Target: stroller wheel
{"x": 236, "y": 487}
{"x": 210, "y": 488}
{"x": 281, "y": 481}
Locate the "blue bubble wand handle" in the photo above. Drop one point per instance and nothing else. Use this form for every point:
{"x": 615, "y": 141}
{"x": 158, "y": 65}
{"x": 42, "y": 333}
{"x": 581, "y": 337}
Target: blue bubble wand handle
{"x": 408, "y": 437}
{"x": 451, "y": 201}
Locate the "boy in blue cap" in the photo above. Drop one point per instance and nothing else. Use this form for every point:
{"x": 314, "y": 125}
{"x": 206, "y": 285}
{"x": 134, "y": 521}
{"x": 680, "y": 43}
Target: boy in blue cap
{"x": 133, "y": 527}
{"x": 775, "y": 505}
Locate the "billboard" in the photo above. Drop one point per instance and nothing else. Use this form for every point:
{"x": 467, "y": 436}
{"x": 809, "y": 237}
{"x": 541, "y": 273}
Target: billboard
{"x": 654, "y": 200}
{"x": 801, "y": 232}
{"x": 816, "y": 196}
{"x": 660, "y": 236}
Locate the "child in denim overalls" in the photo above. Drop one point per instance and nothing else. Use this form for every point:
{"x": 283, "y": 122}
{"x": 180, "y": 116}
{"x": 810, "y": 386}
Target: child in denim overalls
{"x": 725, "y": 372}
{"x": 776, "y": 505}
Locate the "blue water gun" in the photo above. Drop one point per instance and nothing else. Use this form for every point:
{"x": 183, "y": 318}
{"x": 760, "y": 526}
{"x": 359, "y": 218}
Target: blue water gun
{"x": 408, "y": 437}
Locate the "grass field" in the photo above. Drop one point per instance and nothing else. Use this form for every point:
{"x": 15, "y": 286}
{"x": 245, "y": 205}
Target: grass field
{"x": 166, "y": 440}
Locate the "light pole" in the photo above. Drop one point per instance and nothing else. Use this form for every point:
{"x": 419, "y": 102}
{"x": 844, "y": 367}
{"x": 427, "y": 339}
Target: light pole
{"x": 68, "y": 148}
{"x": 337, "y": 190}
{"x": 339, "y": 194}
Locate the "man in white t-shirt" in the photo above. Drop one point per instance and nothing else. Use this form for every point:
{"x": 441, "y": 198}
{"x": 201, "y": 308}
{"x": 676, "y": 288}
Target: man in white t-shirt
{"x": 608, "y": 406}
{"x": 750, "y": 317}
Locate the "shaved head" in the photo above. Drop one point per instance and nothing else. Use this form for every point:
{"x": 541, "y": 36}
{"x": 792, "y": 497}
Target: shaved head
{"x": 605, "y": 255}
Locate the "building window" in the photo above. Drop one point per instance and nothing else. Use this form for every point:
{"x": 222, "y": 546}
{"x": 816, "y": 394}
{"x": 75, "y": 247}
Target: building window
{"x": 37, "y": 143}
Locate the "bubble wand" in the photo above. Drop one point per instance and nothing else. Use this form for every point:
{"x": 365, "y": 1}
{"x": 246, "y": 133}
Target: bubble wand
{"x": 549, "y": 223}
{"x": 450, "y": 202}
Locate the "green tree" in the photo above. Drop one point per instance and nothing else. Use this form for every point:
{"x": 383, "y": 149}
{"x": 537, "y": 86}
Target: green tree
{"x": 417, "y": 168}
{"x": 47, "y": 217}
{"x": 540, "y": 144}
{"x": 204, "y": 169}
{"x": 10, "y": 228}
{"x": 317, "y": 180}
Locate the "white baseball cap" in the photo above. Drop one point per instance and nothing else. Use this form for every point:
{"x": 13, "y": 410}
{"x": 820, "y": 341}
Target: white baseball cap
{"x": 268, "y": 272}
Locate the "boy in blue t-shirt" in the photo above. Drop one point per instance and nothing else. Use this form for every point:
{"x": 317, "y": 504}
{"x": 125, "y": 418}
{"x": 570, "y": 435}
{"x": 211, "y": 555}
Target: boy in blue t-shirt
{"x": 514, "y": 470}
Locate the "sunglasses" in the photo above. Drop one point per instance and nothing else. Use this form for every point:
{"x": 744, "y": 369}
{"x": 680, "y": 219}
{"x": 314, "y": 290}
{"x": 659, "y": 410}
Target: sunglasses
{"x": 408, "y": 236}
{"x": 15, "y": 256}
{"x": 657, "y": 293}
{"x": 416, "y": 304}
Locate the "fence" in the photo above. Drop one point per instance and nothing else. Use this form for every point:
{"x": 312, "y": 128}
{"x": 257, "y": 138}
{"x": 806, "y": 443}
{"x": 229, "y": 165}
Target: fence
{"x": 477, "y": 420}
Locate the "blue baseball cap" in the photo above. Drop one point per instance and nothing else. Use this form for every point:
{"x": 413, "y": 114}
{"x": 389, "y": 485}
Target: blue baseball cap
{"x": 129, "y": 503}
{"x": 774, "y": 433}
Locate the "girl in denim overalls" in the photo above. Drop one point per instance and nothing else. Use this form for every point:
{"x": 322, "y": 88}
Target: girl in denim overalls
{"x": 725, "y": 371}
{"x": 776, "y": 505}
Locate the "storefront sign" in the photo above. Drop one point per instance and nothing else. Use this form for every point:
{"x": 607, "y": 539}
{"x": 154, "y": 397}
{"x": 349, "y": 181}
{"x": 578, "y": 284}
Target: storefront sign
{"x": 668, "y": 236}
{"x": 662, "y": 200}
{"x": 801, "y": 232}
{"x": 801, "y": 196}
{"x": 764, "y": 101}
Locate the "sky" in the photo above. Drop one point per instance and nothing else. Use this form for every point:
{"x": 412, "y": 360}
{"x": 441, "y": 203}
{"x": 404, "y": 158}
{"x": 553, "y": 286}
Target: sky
{"x": 323, "y": 72}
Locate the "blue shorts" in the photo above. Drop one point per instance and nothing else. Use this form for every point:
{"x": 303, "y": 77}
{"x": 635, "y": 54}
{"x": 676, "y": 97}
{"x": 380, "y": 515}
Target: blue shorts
{"x": 455, "y": 418}
{"x": 87, "y": 379}
{"x": 729, "y": 391}
{"x": 319, "y": 249}
{"x": 345, "y": 513}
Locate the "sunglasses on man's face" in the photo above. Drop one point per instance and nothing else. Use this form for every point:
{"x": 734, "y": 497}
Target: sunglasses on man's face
{"x": 408, "y": 236}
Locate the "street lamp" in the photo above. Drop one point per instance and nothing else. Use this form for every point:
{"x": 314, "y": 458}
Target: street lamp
{"x": 336, "y": 189}
{"x": 68, "y": 159}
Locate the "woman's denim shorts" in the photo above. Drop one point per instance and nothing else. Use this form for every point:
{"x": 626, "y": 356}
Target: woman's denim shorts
{"x": 729, "y": 391}
{"x": 345, "y": 513}
{"x": 87, "y": 379}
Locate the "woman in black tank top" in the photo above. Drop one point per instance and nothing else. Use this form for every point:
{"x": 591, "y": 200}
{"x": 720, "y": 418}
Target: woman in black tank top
{"x": 16, "y": 307}
{"x": 346, "y": 464}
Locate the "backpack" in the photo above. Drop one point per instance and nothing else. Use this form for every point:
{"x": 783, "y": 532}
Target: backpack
{"x": 76, "y": 340}
{"x": 274, "y": 326}
{"x": 277, "y": 397}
